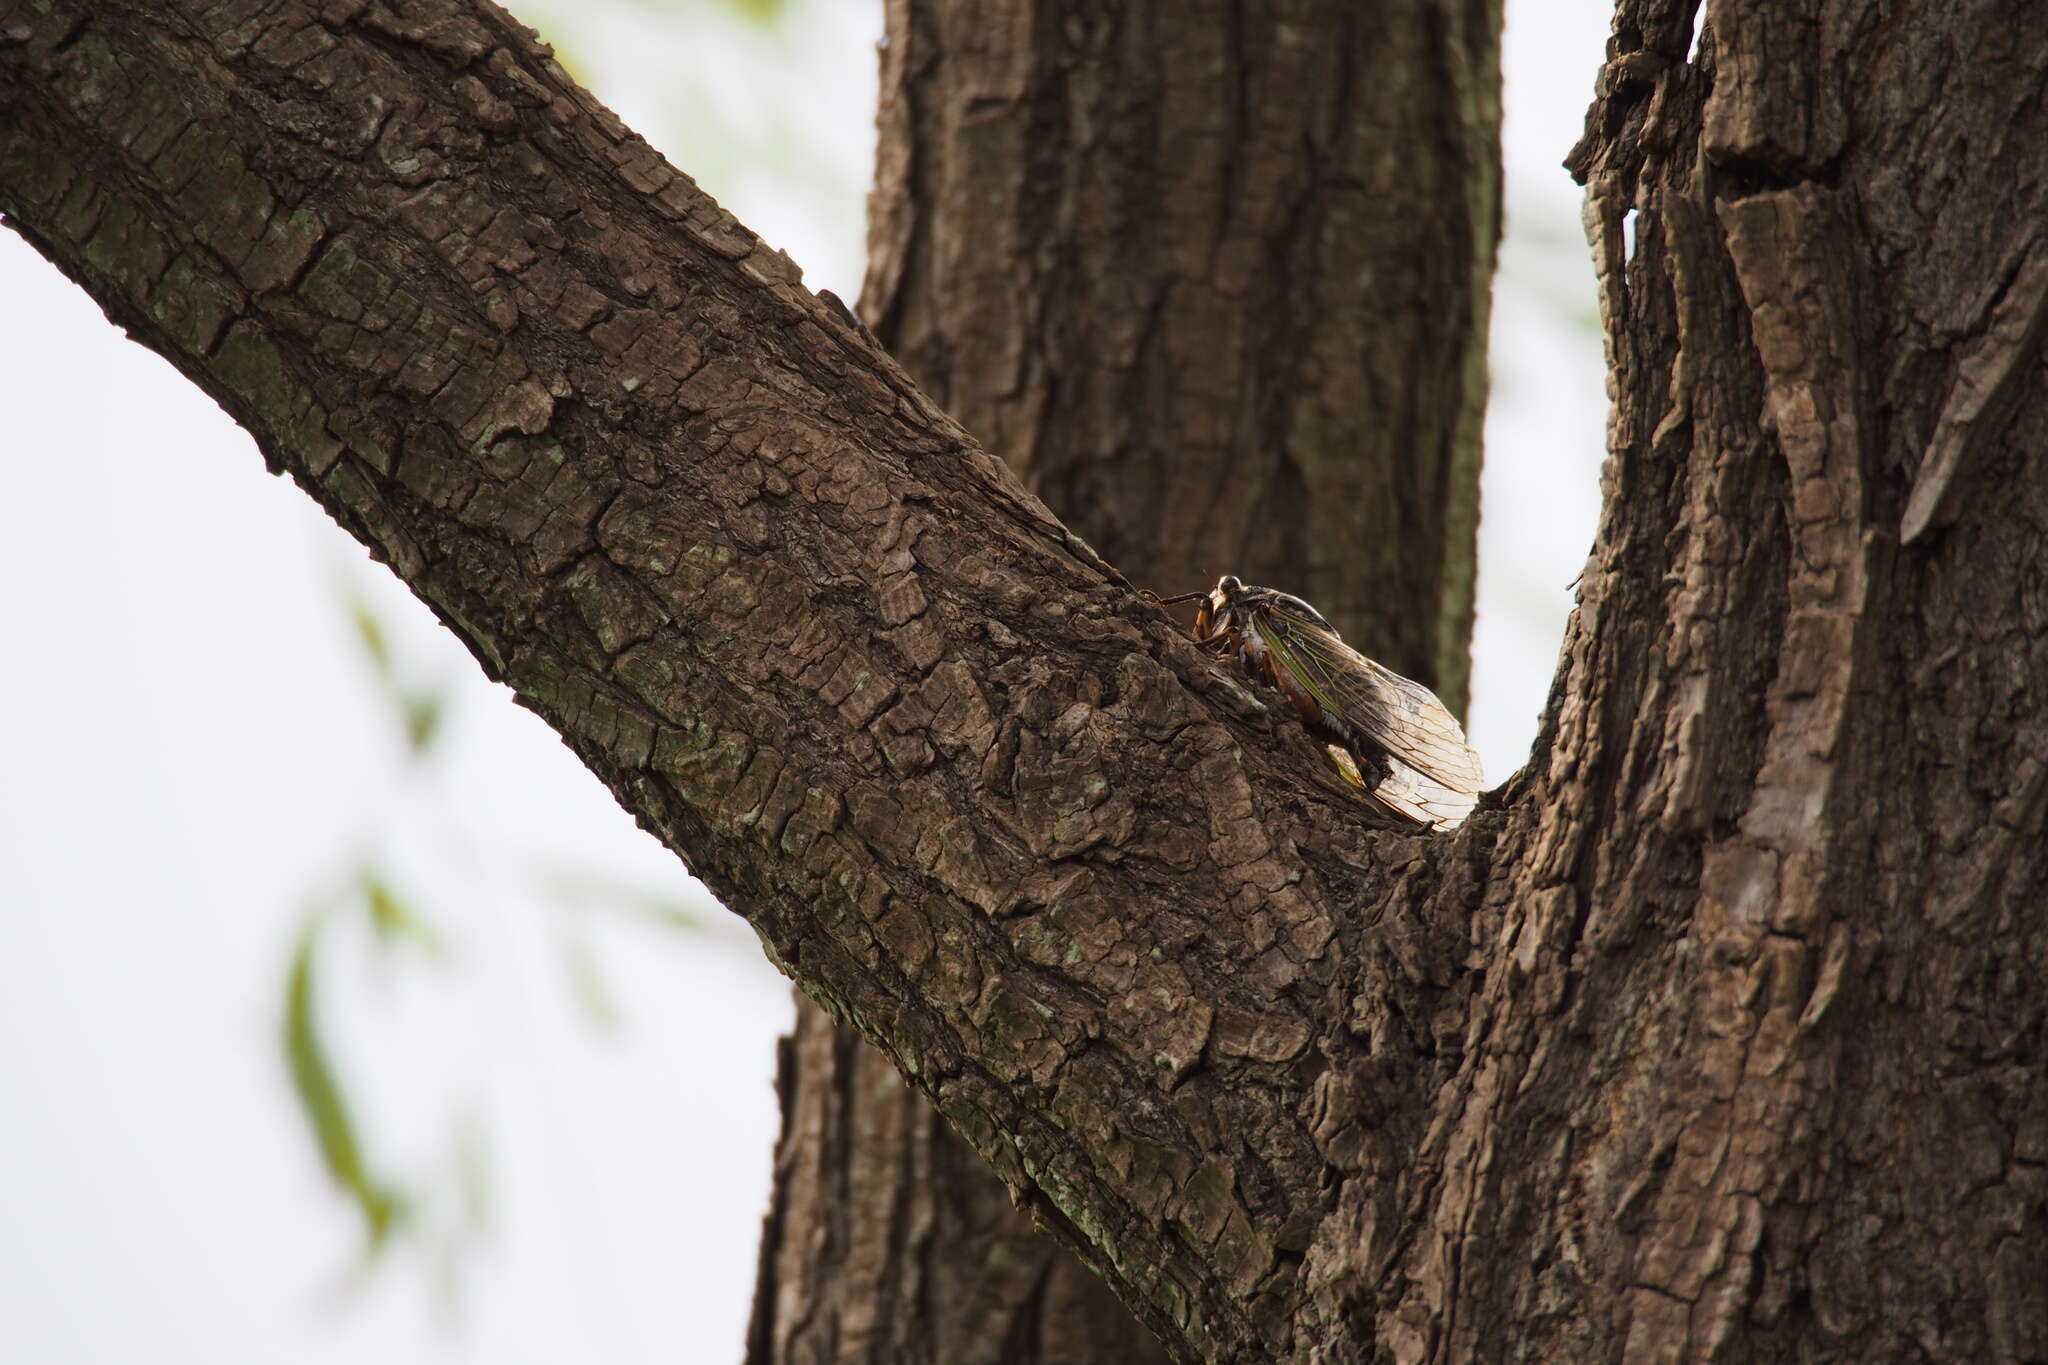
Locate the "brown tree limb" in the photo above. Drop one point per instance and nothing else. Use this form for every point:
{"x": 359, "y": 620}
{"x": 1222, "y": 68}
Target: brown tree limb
{"x": 1160, "y": 250}
{"x": 974, "y": 794}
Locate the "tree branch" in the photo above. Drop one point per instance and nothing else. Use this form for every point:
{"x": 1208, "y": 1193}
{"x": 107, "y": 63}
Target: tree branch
{"x": 1155, "y": 254}
{"x": 976, "y": 796}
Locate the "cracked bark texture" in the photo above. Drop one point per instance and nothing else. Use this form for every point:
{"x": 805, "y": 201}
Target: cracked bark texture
{"x": 1157, "y": 257}
{"x": 1715, "y": 1035}
{"x": 1230, "y": 270}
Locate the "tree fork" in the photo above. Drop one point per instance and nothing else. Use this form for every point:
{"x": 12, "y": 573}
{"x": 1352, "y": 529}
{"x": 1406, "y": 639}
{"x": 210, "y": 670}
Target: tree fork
{"x": 698, "y": 524}
{"x": 1715, "y": 1036}
{"x": 1156, "y": 256}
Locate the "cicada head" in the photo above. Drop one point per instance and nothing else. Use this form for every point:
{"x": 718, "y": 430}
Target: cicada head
{"x": 1218, "y": 612}
{"x": 1224, "y": 608}
{"x": 1232, "y": 604}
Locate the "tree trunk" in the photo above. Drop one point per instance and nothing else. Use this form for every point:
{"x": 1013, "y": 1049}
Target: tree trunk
{"x": 1158, "y": 259}
{"x": 890, "y": 1240}
{"x": 1714, "y": 1035}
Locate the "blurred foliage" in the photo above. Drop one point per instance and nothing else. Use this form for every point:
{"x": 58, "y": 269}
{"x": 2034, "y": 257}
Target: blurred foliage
{"x": 753, "y": 11}
{"x": 590, "y": 888}
{"x": 582, "y": 890}
{"x": 393, "y": 919}
{"x": 441, "y": 1213}
{"x": 423, "y": 712}
{"x": 419, "y": 708}
{"x": 765, "y": 14}
{"x": 588, "y": 983}
{"x": 320, "y": 1096}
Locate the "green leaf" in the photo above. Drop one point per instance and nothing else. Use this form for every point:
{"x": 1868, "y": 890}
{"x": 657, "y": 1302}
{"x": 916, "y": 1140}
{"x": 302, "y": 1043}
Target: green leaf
{"x": 423, "y": 713}
{"x": 420, "y": 710}
{"x": 759, "y": 11}
{"x": 394, "y": 920}
{"x": 326, "y": 1108}
{"x": 370, "y": 632}
{"x": 753, "y": 11}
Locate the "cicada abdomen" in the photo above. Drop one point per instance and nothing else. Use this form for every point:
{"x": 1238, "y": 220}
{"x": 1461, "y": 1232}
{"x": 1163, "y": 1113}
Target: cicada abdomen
{"x": 1386, "y": 733}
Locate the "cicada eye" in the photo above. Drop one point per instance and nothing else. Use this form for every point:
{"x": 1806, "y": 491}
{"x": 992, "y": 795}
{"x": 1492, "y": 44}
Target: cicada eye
{"x": 1224, "y": 594}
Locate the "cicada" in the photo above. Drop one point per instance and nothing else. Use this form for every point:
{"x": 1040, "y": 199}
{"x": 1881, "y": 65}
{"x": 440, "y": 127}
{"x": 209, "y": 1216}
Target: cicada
{"x": 1385, "y": 733}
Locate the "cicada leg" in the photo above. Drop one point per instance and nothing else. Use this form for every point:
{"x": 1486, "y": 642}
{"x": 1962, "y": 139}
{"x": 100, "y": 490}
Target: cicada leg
{"x": 1205, "y": 622}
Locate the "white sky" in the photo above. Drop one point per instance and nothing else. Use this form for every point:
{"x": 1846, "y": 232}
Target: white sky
{"x": 194, "y": 748}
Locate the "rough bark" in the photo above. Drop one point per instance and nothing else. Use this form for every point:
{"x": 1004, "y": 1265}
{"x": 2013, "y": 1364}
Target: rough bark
{"x": 1158, "y": 258}
{"x": 890, "y": 1239}
{"x": 1800, "y": 751}
{"x": 1230, "y": 271}
{"x": 1715, "y": 1035}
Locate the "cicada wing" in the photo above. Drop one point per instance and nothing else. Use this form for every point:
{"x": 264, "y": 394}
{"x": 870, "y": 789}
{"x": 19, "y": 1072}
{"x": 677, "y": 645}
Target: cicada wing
{"x": 1404, "y": 791}
{"x": 1430, "y": 739}
{"x": 1423, "y": 799}
{"x": 1376, "y": 705}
